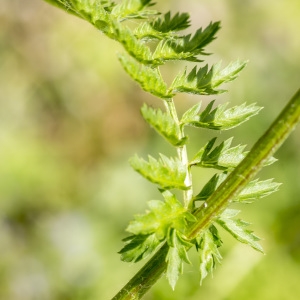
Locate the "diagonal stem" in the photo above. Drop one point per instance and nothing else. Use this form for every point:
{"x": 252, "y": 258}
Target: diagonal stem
{"x": 265, "y": 147}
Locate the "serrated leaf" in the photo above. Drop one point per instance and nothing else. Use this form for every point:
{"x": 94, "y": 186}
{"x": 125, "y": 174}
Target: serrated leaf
{"x": 174, "y": 266}
{"x": 99, "y": 17}
{"x": 167, "y": 24}
{"x": 133, "y": 9}
{"x": 177, "y": 254}
{"x": 162, "y": 28}
{"x": 167, "y": 172}
{"x": 147, "y": 33}
{"x": 227, "y": 74}
{"x": 138, "y": 247}
{"x": 237, "y": 228}
{"x": 221, "y": 118}
{"x": 150, "y": 79}
{"x": 164, "y": 124}
{"x": 254, "y": 190}
{"x": 257, "y": 189}
{"x": 65, "y": 5}
{"x": 204, "y": 81}
{"x": 210, "y": 187}
{"x": 191, "y": 114}
{"x": 196, "y": 43}
{"x": 161, "y": 217}
{"x": 186, "y": 47}
{"x": 207, "y": 245}
{"x": 136, "y": 48}
{"x": 221, "y": 157}
{"x": 165, "y": 51}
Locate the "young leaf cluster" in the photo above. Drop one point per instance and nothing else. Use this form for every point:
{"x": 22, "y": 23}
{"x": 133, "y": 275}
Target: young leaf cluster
{"x": 152, "y": 40}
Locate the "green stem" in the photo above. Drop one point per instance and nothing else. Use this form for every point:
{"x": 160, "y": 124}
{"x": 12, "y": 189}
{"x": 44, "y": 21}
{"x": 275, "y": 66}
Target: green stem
{"x": 182, "y": 154}
{"x": 235, "y": 182}
{"x": 145, "y": 278}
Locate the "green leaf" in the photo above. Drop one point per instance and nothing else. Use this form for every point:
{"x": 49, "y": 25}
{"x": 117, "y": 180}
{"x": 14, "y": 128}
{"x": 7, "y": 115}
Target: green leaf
{"x": 162, "y": 216}
{"x": 164, "y": 124}
{"x": 97, "y": 13}
{"x": 138, "y": 247}
{"x": 133, "y": 9}
{"x": 196, "y": 43}
{"x": 210, "y": 187}
{"x": 165, "y": 51}
{"x": 136, "y": 48}
{"x": 254, "y": 190}
{"x": 162, "y": 28}
{"x": 150, "y": 79}
{"x": 185, "y": 48}
{"x": 177, "y": 254}
{"x": 221, "y": 157}
{"x": 221, "y": 118}
{"x": 257, "y": 189}
{"x": 237, "y": 229}
{"x": 207, "y": 245}
{"x": 191, "y": 115}
{"x": 227, "y": 74}
{"x": 167, "y": 172}
{"x": 167, "y": 24}
{"x": 65, "y": 5}
{"x": 204, "y": 81}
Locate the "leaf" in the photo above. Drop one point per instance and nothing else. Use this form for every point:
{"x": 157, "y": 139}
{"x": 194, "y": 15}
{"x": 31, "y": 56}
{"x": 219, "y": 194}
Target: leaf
{"x": 63, "y": 4}
{"x": 165, "y": 51}
{"x": 257, "y": 189}
{"x": 237, "y": 229}
{"x": 185, "y": 48}
{"x": 254, "y": 190}
{"x": 191, "y": 115}
{"x": 207, "y": 245}
{"x": 96, "y": 13}
{"x": 227, "y": 74}
{"x": 174, "y": 266}
{"x": 204, "y": 81}
{"x": 167, "y": 24}
{"x": 221, "y": 118}
{"x": 177, "y": 254}
{"x": 196, "y": 43}
{"x": 164, "y": 124}
{"x": 210, "y": 187}
{"x": 221, "y": 157}
{"x": 162, "y": 216}
{"x": 162, "y": 28}
{"x": 133, "y": 9}
{"x": 138, "y": 247}
{"x": 167, "y": 172}
{"x": 150, "y": 79}
{"x": 136, "y": 48}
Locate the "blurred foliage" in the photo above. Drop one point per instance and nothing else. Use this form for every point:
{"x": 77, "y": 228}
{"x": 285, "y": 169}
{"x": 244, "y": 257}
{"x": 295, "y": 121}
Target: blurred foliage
{"x": 69, "y": 122}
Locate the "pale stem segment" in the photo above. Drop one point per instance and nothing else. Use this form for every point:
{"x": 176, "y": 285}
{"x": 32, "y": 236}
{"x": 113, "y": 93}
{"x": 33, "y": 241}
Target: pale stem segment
{"x": 182, "y": 154}
{"x": 235, "y": 182}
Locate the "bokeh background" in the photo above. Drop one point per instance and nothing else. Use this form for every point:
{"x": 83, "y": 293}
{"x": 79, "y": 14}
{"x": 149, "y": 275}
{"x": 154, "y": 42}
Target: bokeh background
{"x": 70, "y": 120}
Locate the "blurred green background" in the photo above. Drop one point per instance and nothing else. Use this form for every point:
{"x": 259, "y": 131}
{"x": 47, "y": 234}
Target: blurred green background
{"x": 69, "y": 122}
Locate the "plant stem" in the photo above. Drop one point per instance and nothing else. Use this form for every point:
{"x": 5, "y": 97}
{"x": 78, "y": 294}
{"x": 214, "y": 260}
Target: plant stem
{"x": 146, "y": 277}
{"x": 182, "y": 154}
{"x": 235, "y": 182}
